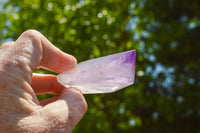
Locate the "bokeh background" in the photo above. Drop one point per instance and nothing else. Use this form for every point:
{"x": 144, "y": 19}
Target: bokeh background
{"x": 166, "y": 35}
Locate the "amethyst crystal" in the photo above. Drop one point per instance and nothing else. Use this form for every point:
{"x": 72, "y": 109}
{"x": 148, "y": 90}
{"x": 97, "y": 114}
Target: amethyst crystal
{"x": 102, "y": 75}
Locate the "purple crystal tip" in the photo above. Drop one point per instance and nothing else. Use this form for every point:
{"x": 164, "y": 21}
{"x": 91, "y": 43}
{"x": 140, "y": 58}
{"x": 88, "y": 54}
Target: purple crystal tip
{"x": 130, "y": 58}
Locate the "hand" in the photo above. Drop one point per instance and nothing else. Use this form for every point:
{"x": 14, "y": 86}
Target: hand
{"x": 20, "y": 111}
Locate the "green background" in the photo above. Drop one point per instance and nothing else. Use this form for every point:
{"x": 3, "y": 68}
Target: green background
{"x": 165, "y": 33}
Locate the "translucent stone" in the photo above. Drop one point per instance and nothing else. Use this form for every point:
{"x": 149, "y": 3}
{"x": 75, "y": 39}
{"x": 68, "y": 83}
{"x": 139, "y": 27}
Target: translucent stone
{"x": 102, "y": 75}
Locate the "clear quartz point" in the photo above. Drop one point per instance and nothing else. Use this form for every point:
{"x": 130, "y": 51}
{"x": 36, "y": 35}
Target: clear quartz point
{"x": 102, "y": 75}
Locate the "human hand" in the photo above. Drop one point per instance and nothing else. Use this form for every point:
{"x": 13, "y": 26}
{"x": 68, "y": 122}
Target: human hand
{"x": 20, "y": 111}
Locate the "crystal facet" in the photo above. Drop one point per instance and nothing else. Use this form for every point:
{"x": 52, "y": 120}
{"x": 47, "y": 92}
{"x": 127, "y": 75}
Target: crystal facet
{"x": 102, "y": 75}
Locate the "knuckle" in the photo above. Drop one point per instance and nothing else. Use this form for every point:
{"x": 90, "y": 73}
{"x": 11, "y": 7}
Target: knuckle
{"x": 29, "y": 44}
{"x": 32, "y": 35}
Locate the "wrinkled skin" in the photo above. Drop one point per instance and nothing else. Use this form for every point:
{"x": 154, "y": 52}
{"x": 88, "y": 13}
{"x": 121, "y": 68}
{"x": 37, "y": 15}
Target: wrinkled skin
{"x": 20, "y": 111}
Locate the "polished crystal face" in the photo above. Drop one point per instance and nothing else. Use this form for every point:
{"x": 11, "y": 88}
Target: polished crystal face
{"x": 102, "y": 75}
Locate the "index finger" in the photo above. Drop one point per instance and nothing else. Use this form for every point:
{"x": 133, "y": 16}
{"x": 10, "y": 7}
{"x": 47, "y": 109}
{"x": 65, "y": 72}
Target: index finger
{"x": 44, "y": 53}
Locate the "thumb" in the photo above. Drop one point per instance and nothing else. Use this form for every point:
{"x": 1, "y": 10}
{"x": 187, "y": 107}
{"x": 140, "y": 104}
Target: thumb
{"x": 64, "y": 113}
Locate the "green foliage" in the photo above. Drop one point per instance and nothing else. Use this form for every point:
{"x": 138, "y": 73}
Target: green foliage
{"x": 165, "y": 34}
